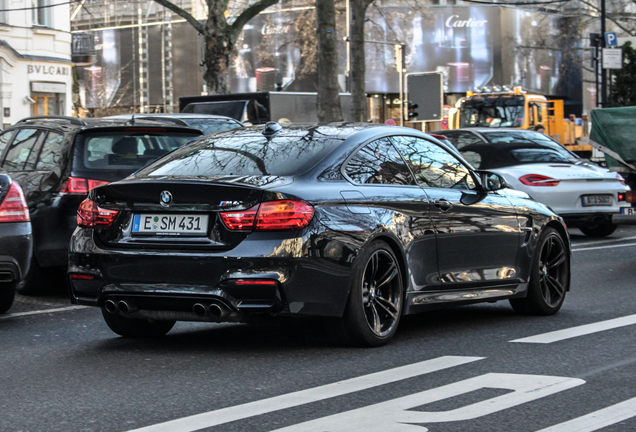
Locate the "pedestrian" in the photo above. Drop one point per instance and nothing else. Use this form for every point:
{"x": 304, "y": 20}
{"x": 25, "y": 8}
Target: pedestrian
{"x": 539, "y": 128}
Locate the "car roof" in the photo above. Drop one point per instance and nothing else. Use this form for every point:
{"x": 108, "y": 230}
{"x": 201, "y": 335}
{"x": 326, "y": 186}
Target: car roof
{"x": 65, "y": 123}
{"x": 173, "y": 115}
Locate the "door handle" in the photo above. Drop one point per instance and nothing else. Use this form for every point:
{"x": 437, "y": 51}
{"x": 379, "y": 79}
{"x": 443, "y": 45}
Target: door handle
{"x": 443, "y": 205}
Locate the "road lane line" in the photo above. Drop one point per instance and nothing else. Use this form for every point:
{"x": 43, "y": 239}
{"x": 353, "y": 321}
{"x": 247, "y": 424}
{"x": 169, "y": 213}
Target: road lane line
{"x": 302, "y": 397}
{"x": 598, "y": 419}
{"x": 604, "y": 241}
{"x": 572, "y": 332}
{"x": 603, "y": 247}
{"x": 40, "y": 312}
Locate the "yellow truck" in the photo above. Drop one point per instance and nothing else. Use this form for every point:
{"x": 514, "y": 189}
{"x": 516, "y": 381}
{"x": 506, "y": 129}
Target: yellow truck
{"x": 518, "y": 109}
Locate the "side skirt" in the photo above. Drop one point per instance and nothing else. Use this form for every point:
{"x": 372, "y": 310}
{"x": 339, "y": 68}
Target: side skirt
{"x": 418, "y": 301}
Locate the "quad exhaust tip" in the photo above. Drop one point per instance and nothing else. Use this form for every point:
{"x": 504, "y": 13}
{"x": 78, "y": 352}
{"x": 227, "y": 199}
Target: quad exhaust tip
{"x": 214, "y": 310}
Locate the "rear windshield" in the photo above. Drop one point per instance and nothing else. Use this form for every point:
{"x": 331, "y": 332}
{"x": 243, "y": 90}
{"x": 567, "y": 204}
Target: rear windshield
{"x": 245, "y": 156}
{"x": 489, "y": 156}
{"x": 124, "y": 150}
{"x": 212, "y": 126}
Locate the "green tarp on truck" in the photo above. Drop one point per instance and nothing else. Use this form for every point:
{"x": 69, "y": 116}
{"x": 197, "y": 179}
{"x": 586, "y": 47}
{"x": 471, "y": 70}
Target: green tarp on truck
{"x": 615, "y": 128}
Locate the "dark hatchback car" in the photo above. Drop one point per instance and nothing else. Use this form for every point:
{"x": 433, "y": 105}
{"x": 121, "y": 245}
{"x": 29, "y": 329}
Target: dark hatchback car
{"x": 57, "y": 160}
{"x": 359, "y": 221}
{"x": 15, "y": 240}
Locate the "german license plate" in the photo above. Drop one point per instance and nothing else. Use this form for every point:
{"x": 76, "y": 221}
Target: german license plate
{"x": 597, "y": 200}
{"x": 628, "y": 211}
{"x": 171, "y": 224}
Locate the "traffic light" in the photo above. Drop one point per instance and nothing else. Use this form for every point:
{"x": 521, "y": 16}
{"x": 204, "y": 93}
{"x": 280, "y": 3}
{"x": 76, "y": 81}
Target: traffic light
{"x": 412, "y": 115}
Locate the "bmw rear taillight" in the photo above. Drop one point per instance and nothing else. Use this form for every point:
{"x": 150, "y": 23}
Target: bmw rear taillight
{"x": 90, "y": 215}
{"x": 538, "y": 180}
{"x": 14, "y": 207}
{"x": 284, "y": 215}
{"x": 80, "y": 186}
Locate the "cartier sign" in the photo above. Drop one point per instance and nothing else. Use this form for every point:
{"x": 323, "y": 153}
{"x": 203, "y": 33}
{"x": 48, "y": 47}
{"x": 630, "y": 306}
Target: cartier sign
{"x": 48, "y": 70}
{"x": 454, "y": 21}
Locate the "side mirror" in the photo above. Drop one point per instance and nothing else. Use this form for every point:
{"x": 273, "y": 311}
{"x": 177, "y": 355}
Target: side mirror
{"x": 492, "y": 181}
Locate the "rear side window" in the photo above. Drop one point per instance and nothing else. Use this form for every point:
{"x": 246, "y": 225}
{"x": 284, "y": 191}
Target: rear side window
{"x": 20, "y": 149}
{"x": 123, "y": 150}
{"x": 5, "y": 139}
{"x": 432, "y": 165}
{"x": 252, "y": 155}
{"x": 51, "y": 151}
{"x": 378, "y": 163}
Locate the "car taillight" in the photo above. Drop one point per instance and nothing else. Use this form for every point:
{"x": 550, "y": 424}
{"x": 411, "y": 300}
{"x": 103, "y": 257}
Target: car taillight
{"x": 620, "y": 177}
{"x": 14, "y": 207}
{"x": 627, "y": 196}
{"x": 270, "y": 216}
{"x": 538, "y": 180}
{"x": 90, "y": 215}
{"x": 80, "y": 186}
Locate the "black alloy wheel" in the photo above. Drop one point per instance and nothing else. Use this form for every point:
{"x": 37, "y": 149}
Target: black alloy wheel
{"x": 549, "y": 279}
{"x": 136, "y": 328}
{"x": 375, "y": 301}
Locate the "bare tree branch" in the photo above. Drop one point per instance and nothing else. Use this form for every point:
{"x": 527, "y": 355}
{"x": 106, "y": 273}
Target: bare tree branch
{"x": 248, "y": 14}
{"x": 182, "y": 13}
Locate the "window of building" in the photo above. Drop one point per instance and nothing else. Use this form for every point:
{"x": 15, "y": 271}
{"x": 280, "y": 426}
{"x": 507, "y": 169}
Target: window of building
{"x": 42, "y": 13}
{"x": 379, "y": 163}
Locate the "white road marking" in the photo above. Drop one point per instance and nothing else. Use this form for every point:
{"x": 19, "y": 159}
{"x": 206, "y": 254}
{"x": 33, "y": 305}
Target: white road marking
{"x": 572, "y": 332}
{"x": 598, "y": 419}
{"x": 398, "y": 415}
{"x": 40, "y": 312}
{"x": 289, "y": 400}
{"x": 604, "y": 241}
{"x": 603, "y": 247}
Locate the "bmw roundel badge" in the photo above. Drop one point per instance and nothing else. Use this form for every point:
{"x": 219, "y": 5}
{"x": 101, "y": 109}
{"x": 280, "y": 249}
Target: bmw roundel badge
{"x": 165, "y": 199}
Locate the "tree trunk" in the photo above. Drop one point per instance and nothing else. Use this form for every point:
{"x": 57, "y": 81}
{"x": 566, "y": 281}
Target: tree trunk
{"x": 328, "y": 104}
{"x": 357, "y": 9}
{"x": 218, "y": 47}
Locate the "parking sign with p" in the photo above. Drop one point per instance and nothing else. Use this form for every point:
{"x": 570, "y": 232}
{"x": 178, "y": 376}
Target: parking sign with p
{"x": 610, "y": 39}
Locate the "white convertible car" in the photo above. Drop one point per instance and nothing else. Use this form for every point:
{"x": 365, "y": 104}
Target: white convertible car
{"x": 583, "y": 193}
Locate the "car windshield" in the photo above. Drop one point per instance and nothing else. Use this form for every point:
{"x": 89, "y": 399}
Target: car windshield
{"x": 208, "y": 126}
{"x": 490, "y": 156}
{"x": 125, "y": 150}
{"x": 494, "y": 112}
{"x": 245, "y": 156}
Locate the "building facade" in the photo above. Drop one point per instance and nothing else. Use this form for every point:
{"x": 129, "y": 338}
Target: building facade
{"x": 35, "y": 59}
{"x": 147, "y": 57}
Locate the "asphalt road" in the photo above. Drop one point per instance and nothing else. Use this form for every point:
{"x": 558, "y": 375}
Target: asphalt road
{"x": 473, "y": 368}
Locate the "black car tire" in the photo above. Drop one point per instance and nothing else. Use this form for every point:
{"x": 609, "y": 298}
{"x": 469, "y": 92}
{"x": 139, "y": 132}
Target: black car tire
{"x": 599, "y": 230}
{"x": 376, "y": 297}
{"x": 7, "y": 297}
{"x": 549, "y": 277}
{"x": 136, "y": 328}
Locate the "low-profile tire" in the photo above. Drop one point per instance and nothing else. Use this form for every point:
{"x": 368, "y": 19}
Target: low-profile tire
{"x": 599, "y": 230}
{"x": 376, "y": 297}
{"x": 136, "y": 328}
{"x": 7, "y": 297}
{"x": 549, "y": 277}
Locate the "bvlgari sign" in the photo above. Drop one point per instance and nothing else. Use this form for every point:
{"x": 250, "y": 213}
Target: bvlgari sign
{"x": 48, "y": 70}
{"x": 454, "y": 21}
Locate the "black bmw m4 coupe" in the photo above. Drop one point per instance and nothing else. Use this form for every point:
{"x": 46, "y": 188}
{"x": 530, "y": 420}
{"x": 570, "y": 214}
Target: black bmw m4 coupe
{"x": 362, "y": 222}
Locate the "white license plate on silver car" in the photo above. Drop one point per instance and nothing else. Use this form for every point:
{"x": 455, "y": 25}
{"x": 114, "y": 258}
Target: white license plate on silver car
{"x": 628, "y": 211}
{"x": 597, "y": 200}
{"x": 171, "y": 224}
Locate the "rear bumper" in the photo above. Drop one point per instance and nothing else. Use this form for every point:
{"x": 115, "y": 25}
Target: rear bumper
{"x": 298, "y": 282}
{"x": 587, "y": 219}
{"x": 16, "y": 243}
